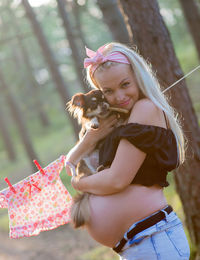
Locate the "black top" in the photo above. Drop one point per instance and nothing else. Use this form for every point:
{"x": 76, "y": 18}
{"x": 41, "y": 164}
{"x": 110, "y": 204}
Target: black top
{"x": 157, "y": 142}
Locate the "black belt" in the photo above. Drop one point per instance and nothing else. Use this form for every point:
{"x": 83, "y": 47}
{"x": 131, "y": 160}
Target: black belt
{"x": 142, "y": 226}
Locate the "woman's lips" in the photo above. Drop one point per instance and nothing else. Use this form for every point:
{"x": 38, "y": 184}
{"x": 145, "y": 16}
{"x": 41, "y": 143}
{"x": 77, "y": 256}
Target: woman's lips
{"x": 124, "y": 103}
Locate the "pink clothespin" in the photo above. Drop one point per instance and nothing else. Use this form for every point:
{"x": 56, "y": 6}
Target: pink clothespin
{"x": 10, "y": 185}
{"x": 39, "y": 167}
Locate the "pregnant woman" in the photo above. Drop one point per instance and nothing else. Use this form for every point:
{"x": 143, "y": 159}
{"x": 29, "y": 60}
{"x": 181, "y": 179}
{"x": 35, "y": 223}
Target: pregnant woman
{"x": 129, "y": 212}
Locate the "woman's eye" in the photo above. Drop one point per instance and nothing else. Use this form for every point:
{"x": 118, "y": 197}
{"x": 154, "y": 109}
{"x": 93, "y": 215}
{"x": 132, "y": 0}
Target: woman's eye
{"x": 107, "y": 92}
{"x": 126, "y": 84}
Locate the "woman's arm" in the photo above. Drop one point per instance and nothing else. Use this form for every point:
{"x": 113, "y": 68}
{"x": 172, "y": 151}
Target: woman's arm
{"x": 128, "y": 158}
{"x": 89, "y": 141}
{"x": 127, "y": 162}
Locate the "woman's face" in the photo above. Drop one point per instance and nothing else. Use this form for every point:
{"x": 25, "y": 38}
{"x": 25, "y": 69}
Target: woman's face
{"x": 118, "y": 85}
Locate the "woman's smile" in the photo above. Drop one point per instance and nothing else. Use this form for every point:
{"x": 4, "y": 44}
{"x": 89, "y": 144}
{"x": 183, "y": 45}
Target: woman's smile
{"x": 124, "y": 103}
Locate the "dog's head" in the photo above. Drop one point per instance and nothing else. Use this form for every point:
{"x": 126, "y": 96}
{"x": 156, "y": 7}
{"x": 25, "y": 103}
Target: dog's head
{"x": 89, "y": 105}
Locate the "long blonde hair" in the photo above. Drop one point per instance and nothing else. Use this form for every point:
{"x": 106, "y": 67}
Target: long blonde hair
{"x": 150, "y": 88}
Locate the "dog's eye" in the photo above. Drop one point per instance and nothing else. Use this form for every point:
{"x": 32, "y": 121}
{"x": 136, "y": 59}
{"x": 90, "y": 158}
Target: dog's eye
{"x": 93, "y": 104}
{"x": 93, "y": 101}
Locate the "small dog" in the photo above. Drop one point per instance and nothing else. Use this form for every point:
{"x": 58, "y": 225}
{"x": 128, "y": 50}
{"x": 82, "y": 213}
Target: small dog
{"x": 88, "y": 109}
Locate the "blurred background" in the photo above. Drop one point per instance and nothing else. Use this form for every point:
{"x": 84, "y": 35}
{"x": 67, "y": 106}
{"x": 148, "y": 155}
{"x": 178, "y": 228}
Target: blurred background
{"x": 42, "y": 47}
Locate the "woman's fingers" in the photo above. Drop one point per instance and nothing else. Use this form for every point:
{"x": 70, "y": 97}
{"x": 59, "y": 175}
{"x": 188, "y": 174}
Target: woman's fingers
{"x": 109, "y": 121}
{"x": 106, "y": 126}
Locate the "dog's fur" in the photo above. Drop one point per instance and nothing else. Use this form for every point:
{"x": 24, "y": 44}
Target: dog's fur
{"x": 88, "y": 108}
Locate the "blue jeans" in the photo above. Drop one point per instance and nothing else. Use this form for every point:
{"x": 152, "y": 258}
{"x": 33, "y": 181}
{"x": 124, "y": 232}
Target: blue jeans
{"x": 165, "y": 240}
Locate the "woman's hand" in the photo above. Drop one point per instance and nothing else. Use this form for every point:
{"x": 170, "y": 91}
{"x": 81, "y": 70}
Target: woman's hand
{"x": 70, "y": 168}
{"x": 75, "y": 182}
{"x": 89, "y": 141}
{"x": 106, "y": 126}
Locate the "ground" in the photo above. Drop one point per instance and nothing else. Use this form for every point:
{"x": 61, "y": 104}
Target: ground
{"x": 61, "y": 243}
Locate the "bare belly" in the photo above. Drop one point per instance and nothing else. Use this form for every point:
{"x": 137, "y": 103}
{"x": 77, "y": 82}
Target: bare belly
{"x": 112, "y": 215}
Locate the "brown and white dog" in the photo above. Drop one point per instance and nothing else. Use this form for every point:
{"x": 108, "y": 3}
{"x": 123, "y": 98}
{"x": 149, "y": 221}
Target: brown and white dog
{"x": 88, "y": 109}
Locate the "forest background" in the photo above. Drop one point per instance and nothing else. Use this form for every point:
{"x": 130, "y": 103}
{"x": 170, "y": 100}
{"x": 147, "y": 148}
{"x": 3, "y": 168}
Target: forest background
{"x": 41, "y": 110}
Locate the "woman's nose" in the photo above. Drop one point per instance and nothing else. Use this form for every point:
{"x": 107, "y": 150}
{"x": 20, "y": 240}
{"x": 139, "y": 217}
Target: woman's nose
{"x": 119, "y": 96}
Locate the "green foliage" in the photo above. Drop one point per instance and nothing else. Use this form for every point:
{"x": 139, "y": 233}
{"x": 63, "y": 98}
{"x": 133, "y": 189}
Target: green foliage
{"x": 4, "y": 225}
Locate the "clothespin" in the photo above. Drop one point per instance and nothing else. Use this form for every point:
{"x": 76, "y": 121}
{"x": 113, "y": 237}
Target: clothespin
{"x": 29, "y": 184}
{"x": 39, "y": 167}
{"x": 10, "y": 185}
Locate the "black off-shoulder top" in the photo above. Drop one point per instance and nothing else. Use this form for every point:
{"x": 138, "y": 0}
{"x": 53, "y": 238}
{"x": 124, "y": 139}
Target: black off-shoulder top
{"x": 158, "y": 143}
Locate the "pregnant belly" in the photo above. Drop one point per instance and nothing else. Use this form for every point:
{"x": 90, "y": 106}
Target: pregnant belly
{"x": 112, "y": 215}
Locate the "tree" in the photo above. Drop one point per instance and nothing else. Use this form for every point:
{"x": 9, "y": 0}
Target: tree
{"x": 71, "y": 39}
{"x": 192, "y": 15}
{"x": 51, "y": 62}
{"x": 6, "y": 137}
{"x": 29, "y": 71}
{"x": 114, "y": 20}
{"x": 17, "y": 117}
{"x": 76, "y": 9}
{"x": 153, "y": 41}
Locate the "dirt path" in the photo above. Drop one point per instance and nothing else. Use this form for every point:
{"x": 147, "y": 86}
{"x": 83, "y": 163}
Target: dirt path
{"x": 59, "y": 244}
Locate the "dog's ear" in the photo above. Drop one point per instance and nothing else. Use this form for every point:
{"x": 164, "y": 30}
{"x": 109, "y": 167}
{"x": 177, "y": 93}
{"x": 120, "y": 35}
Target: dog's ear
{"x": 78, "y": 100}
{"x": 75, "y": 106}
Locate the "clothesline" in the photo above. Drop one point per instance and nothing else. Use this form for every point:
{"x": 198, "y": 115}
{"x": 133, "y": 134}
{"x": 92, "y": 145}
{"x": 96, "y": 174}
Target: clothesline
{"x": 181, "y": 79}
{"x": 37, "y": 165}
{"x": 40, "y": 202}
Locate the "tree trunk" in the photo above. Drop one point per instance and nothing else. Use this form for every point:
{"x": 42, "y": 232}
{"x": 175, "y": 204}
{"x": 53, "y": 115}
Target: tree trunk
{"x": 78, "y": 27}
{"x": 114, "y": 20}
{"x": 192, "y": 15}
{"x": 18, "y": 118}
{"x": 51, "y": 62}
{"x": 29, "y": 75}
{"x": 71, "y": 39}
{"x": 6, "y": 137}
{"x": 153, "y": 41}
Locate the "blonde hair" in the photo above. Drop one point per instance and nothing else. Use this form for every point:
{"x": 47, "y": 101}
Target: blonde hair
{"x": 150, "y": 88}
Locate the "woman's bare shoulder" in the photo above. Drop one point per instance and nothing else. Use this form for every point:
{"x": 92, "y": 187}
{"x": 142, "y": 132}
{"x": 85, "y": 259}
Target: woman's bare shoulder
{"x": 146, "y": 112}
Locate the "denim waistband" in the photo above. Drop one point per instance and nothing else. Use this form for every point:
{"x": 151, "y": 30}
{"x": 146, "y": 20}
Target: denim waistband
{"x": 145, "y": 225}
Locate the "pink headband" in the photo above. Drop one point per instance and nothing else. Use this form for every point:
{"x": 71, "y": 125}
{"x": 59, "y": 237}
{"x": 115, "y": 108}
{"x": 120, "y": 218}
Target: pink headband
{"x": 97, "y": 58}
